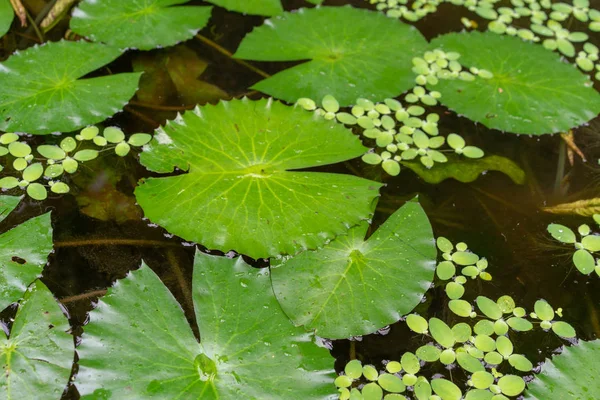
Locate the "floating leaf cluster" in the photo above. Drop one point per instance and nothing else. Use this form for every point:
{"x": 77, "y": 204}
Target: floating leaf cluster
{"x": 479, "y": 348}
{"x": 547, "y": 22}
{"x": 588, "y": 243}
{"x": 406, "y": 131}
{"x": 42, "y": 170}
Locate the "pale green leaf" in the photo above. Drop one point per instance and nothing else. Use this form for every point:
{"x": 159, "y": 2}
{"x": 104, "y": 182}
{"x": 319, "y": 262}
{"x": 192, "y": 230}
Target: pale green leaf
{"x": 562, "y": 233}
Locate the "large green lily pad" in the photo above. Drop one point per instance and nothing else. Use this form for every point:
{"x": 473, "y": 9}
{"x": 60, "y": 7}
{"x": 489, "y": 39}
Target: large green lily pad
{"x": 24, "y": 251}
{"x": 37, "y": 355}
{"x": 350, "y": 53}
{"x": 533, "y": 91}
{"x": 573, "y": 374}
{"x": 41, "y": 91}
{"x": 241, "y": 191}
{"x": 467, "y": 169}
{"x": 249, "y": 347}
{"x": 254, "y": 7}
{"x": 354, "y": 286}
{"x": 6, "y": 16}
{"x": 139, "y": 24}
{"x": 7, "y": 204}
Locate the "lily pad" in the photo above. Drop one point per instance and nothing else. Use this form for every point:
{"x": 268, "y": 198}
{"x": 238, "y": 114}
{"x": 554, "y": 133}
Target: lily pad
{"x": 348, "y": 51}
{"x": 327, "y": 289}
{"x": 573, "y": 374}
{"x": 253, "y": 7}
{"x": 239, "y": 192}
{"x": 532, "y": 91}
{"x": 7, "y": 204}
{"x": 249, "y": 348}
{"x": 53, "y": 98}
{"x": 37, "y": 354}
{"x": 6, "y": 16}
{"x": 467, "y": 169}
{"x": 143, "y": 25}
{"x": 23, "y": 253}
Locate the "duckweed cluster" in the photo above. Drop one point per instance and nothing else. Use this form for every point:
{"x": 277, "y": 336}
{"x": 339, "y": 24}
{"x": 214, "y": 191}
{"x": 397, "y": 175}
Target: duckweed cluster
{"x": 42, "y": 171}
{"x": 480, "y": 348}
{"x": 531, "y": 20}
{"x": 405, "y": 131}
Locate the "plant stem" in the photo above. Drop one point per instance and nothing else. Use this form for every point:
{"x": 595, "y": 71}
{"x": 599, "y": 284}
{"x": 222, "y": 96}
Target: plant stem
{"x": 39, "y": 34}
{"x": 141, "y": 116}
{"x": 227, "y": 53}
{"x": 83, "y": 296}
{"x": 185, "y": 290}
{"x": 115, "y": 242}
{"x": 560, "y": 167}
{"x": 159, "y": 107}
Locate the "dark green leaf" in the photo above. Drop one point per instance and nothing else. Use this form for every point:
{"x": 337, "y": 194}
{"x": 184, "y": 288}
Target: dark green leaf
{"x": 254, "y": 7}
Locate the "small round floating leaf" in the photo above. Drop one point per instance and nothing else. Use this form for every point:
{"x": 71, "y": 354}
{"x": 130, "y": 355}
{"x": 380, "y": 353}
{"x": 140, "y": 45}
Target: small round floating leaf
{"x": 370, "y": 372}
{"x": 455, "y": 141}
{"x": 489, "y": 307}
{"x": 484, "y": 327}
{"x": 7, "y": 138}
{"x": 543, "y": 310}
{"x": 493, "y": 358}
{"x": 462, "y": 308}
{"x": 563, "y": 329}
{"x": 417, "y": 323}
{"x": 391, "y": 383}
{"x": 330, "y": 104}
{"x": 349, "y": 119}
{"x": 68, "y": 144}
{"x": 100, "y": 141}
{"x": 479, "y": 394}
{"x": 428, "y": 353}
{"x": 19, "y": 149}
{"x": 372, "y": 158}
{"x": 485, "y": 343}
{"x": 544, "y": 95}
{"x": 343, "y": 381}
{"x": 37, "y": 192}
{"x": 468, "y": 362}
{"x": 454, "y": 290}
{"x": 472, "y": 152}
{"x": 470, "y": 271}
{"x": 372, "y": 391}
{"x": 89, "y": 132}
{"x": 506, "y": 304}
{"x": 482, "y": 379}
{"x": 591, "y": 243}
{"x": 409, "y": 379}
{"x": 338, "y": 57}
{"x": 70, "y": 165}
{"x": 392, "y": 167}
{"x": 445, "y": 270}
{"x": 60, "y": 188}
{"x": 113, "y": 134}
{"x": 465, "y": 258}
{"x": 85, "y": 155}
{"x": 462, "y": 332}
{"x": 33, "y": 172}
{"x": 410, "y": 363}
{"x": 353, "y": 369}
{"x": 504, "y": 346}
{"x": 392, "y": 367}
{"x": 122, "y": 149}
{"x": 520, "y": 362}
{"x": 441, "y": 332}
{"x": 51, "y": 152}
{"x": 562, "y": 233}
{"x": 139, "y": 139}
{"x": 444, "y": 245}
{"x": 422, "y": 389}
{"x": 519, "y": 324}
{"x": 447, "y": 357}
{"x": 446, "y": 389}
{"x": 500, "y": 327}
{"x": 9, "y": 182}
{"x": 394, "y": 396}
{"x": 519, "y": 312}
{"x": 20, "y": 164}
{"x": 511, "y": 385}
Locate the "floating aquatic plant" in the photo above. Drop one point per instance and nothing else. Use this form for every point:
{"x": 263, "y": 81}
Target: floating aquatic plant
{"x": 59, "y": 159}
{"x": 589, "y": 243}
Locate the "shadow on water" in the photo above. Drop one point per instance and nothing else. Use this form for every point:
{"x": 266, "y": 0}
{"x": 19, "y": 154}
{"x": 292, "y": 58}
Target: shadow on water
{"x": 502, "y": 221}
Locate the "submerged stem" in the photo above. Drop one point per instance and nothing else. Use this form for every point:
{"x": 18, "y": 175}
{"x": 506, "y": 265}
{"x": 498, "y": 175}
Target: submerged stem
{"x": 229, "y": 54}
{"x": 83, "y": 296}
{"x": 115, "y": 242}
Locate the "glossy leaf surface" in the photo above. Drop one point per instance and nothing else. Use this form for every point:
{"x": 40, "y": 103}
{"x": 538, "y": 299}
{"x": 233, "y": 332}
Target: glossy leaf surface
{"x": 7, "y": 204}
{"x": 53, "y": 98}
{"x": 354, "y": 286}
{"x": 532, "y": 90}
{"x": 140, "y": 24}
{"x": 240, "y": 193}
{"x": 253, "y": 7}
{"x": 348, "y": 51}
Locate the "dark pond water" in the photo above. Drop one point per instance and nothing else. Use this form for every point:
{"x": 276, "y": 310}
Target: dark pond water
{"x": 497, "y": 218}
